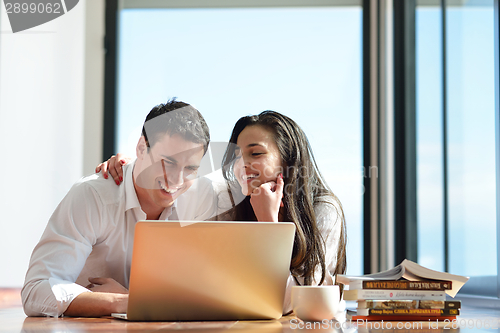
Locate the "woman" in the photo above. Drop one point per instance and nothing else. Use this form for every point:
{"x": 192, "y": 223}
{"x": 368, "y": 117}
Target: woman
{"x": 269, "y": 160}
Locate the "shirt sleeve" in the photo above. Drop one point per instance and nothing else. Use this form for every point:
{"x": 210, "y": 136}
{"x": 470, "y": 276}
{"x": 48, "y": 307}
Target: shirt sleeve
{"x": 59, "y": 257}
{"x": 329, "y": 223}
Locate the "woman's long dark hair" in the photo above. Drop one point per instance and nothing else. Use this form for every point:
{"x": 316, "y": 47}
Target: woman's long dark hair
{"x": 304, "y": 187}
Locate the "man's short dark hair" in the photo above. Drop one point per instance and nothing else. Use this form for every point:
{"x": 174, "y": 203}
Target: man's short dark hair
{"x": 176, "y": 117}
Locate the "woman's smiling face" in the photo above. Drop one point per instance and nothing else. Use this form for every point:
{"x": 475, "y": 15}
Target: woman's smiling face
{"x": 258, "y": 160}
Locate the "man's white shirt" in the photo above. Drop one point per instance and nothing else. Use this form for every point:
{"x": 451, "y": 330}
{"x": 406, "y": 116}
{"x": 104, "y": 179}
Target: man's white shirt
{"x": 90, "y": 234}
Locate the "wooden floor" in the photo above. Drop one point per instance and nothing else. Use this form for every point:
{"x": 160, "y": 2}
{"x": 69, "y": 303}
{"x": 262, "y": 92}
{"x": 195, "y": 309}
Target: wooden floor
{"x": 13, "y": 319}
{"x": 10, "y": 298}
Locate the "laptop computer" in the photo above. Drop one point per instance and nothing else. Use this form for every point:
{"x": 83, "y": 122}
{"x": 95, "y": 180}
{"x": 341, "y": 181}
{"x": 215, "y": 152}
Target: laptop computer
{"x": 193, "y": 271}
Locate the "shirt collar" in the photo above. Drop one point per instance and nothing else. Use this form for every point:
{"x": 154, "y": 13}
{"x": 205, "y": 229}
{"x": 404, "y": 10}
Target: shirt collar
{"x": 131, "y": 199}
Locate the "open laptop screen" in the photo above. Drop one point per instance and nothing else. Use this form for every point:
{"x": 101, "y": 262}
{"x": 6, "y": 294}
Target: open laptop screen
{"x": 186, "y": 270}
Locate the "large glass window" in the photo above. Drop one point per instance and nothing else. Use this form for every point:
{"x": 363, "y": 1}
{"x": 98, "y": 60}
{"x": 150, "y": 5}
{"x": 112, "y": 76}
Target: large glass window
{"x": 471, "y": 139}
{"x": 304, "y": 62}
{"x": 469, "y": 142}
{"x": 429, "y": 105}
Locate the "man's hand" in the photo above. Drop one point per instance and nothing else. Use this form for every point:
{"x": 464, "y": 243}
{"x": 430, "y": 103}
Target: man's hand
{"x": 97, "y": 304}
{"x": 266, "y": 200}
{"x": 106, "y": 285}
{"x": 107, "y": 296}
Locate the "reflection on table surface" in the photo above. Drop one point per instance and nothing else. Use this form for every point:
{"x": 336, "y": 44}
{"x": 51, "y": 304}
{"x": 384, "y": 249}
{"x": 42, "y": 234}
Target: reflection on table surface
{"x": 13, "y": 319}
{"x": 472, "y": 320}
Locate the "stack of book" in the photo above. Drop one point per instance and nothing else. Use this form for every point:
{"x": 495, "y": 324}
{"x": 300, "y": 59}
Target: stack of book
{"x": 408, "y": 292}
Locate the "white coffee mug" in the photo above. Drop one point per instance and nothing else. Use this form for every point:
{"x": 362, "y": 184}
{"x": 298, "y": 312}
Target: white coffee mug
{"x": 315, "y": 303}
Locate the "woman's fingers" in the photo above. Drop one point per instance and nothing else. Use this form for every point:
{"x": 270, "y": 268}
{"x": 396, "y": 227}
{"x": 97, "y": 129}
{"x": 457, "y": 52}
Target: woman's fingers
{"x": 266, "y": 200}
{"x": 104, "y": 169}
{"x": 99, "y": 168}
{"x": 269, "y": 187}
{"x": 115, "y": 165}
{"x": 115, "y": 169}
{"x": 280, "y": 184}
{"x": 123, "y": 159}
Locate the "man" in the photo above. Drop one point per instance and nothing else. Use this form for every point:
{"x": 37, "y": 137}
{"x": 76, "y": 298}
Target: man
{"x": 88, "y": 240}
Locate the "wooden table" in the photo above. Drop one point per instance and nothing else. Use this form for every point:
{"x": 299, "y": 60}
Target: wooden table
{"x": 13, "y": 319}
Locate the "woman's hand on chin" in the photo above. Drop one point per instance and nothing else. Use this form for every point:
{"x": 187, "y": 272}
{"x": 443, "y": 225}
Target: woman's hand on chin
{"x": 266, "y": 200}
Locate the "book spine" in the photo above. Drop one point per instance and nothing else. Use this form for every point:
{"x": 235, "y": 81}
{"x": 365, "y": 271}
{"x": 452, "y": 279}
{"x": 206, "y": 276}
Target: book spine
{"x": 384, "y": 304}
{"x": 377, "y": 294}
{"x": 413, "y": 312}
{"x": 400, "y": 318}
{"x": 439, "y": 304}
{"x": 408, "y": 304}
{"x": 404, "y": 285}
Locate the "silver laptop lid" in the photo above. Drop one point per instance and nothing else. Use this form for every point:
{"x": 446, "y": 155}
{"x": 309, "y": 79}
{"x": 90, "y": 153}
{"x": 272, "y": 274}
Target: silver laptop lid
{"x": 209, "y": 270}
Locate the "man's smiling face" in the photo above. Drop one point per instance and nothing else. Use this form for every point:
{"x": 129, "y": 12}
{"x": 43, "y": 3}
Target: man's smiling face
{"x": 167, "y": 169}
